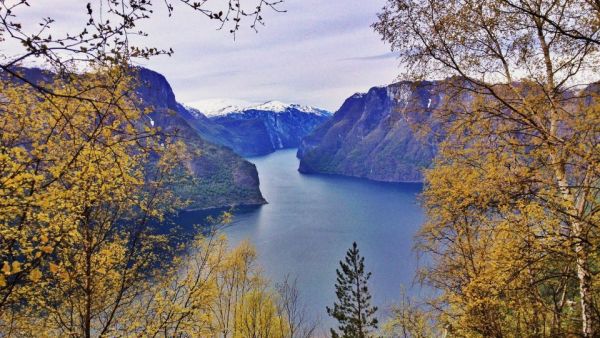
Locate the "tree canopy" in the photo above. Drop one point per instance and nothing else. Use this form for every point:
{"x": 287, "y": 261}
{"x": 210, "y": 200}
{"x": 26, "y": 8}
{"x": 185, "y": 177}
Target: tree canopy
{"x": 512, "y": 198}
{"x": 84, "y": 181}
{"x": 353, "y": 309}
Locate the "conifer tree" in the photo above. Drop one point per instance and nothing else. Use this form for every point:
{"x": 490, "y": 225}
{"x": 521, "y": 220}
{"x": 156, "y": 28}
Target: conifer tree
{"x": 353, "y": 309}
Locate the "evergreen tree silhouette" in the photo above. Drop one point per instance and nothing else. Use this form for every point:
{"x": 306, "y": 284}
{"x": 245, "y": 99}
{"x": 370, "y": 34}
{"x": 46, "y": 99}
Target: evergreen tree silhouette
{"x": 353, "y": 308}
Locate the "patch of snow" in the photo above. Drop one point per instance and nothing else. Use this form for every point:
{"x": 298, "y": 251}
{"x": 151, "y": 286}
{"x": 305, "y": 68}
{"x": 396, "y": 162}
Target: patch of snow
{"x": 195, "y": 112}
{"x": 280, "y": 107}
{"x": 402, "y": 93}
{"x": 220, "y": 107}
{"x": 217, "y": 107}
{"x": 274, "y": 106}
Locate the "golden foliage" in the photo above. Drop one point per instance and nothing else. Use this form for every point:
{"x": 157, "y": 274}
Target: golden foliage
{"x": 77, "y": 195}
{"x": 513, "y": 197}
{"x": 84, "y": 180}
{"x": 214, "y": 292}
{"x": 83, "y": 183}
{"x": 501, "y": 224}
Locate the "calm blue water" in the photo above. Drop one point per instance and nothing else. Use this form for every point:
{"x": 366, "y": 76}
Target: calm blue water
{"x": 311, "y": 220}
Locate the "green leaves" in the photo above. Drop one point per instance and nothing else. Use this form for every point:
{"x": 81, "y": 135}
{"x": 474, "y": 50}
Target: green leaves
{"x": 353, "y": 309}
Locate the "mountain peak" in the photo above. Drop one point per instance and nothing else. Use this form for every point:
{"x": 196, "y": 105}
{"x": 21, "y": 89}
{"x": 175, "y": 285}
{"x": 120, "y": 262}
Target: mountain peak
{"x": 221, "y": 107}
{"x": 274, "y": 105}
{"x": 279, "y": 107}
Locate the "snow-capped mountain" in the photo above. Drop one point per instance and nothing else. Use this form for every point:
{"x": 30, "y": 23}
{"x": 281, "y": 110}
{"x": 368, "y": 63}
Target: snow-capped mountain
{"x": 252, "y": 129}
{"x": 281, "y": 107}
{"x": 220, "y": 107}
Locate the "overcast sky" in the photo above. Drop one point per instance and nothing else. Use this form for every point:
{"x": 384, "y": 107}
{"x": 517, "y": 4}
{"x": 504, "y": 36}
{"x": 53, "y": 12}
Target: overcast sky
{"x": 318, "y": 53}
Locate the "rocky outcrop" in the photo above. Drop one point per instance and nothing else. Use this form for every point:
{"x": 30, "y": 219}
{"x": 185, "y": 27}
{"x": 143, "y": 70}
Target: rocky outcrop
{"x": 221, "y": 177}
{"x": 374, "y": 135}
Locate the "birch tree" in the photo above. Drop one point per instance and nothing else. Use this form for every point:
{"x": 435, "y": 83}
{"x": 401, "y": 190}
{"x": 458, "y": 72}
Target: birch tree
{"x": 513, "y": 196}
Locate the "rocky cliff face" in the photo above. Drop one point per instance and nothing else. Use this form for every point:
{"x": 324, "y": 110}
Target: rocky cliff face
{"x": 222, "y": 178}
{"x": 373, "y": 136}
{"x": 259, "y": 129}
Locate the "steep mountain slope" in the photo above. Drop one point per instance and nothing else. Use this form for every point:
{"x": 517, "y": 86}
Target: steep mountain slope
{"x": 373, "y": 136}
{"x": 258, "y": 129}
{"x": 210, "y": 130}
{"x": 222, "y": 178}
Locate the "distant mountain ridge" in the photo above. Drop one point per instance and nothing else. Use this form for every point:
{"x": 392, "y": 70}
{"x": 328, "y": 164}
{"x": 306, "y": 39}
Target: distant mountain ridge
{"x": 372, "y": 135}
{"x": 257, "y": 129}
{"x": 271, "y": 106}
{"x": 377, "y": 135}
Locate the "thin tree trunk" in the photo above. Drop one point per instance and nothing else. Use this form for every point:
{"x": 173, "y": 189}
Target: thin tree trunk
{"x": 584, "y": 275}
{"x": 88, "y": 299}
{"x": 581, "y": 249}
{"x": 585, "y": 281}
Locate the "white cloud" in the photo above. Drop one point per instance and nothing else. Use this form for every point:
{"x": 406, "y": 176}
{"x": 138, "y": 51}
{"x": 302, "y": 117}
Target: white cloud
{"x": 318, "y": 53}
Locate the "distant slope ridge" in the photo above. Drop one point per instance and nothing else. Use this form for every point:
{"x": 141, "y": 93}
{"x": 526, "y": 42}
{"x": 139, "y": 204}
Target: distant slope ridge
{"x": 256, "y": 129}
{"x": 222, "y": 178}
{"x": 372, "y": 136}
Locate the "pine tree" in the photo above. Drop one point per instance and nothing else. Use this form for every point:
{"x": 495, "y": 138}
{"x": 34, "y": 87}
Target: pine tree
{"x": 353, "y": 309}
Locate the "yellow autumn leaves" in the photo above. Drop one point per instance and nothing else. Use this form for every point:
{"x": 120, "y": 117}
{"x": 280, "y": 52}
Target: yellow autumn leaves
{"x": 501, "y": 229}
{"x": 218, "y": 292}
{"x": 84, "y": 183}
{"x": 513, "y": 197}
{"x": 72, "y": 167}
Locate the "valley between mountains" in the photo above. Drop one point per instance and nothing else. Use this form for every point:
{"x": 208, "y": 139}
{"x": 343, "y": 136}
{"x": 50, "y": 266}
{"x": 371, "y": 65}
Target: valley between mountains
{"x": 374, "y": 135}
{"x": 371, "y": 136}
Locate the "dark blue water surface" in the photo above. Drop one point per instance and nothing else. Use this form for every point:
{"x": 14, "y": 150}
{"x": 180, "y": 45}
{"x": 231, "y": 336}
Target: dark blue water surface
{"x": 311, "y": 220}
